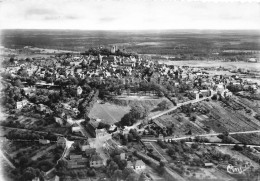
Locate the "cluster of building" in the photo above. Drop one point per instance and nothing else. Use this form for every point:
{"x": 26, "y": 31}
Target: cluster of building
{"x": 88, "y": 154}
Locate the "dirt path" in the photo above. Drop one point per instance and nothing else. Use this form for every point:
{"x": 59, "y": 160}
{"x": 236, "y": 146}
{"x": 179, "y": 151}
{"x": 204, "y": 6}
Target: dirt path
{"x": 158, "y": 151}
{"x": 6, "y": 159}
{"x": 176, "y": 107}
{"x": 202, "y": 135}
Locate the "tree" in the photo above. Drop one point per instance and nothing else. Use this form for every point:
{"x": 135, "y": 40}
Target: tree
{"x": 117, "y": 175}
{"x": 126, "y": 172}
{"x": 170, "y": 151}
{"x": 142, "y": 177}
{"x": 238, "y": 148}
{"x": 91, "y": 172}
{"x": 23, "y": 161}
{"x": 29, "y": 174}
{"x": 127, "y": 120}
{"x": 132, "y": 177}
{"x": 138, "y": 111}
{"x": 162, "y": 164}
{"x": 112, "y": 167}
{"x": 11, "y": 60}
{"x": 18, "y": 83}
{"x": 193, "y": 118}
{"x": 62, "y": 164}
{"x": 163, "y": 105}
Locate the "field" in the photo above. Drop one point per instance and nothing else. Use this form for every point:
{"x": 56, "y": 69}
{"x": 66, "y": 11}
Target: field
{"x": 108, "y": 113}
{"x": 189, "y": 161}
{"x": 209, "y": 174}
{"x": 195, "y": 63}
{"x": 230, "y": 116}
{"x": 158, "y": 151}
{"x": 235, "y": 154}
{"x": 170, "y": 42}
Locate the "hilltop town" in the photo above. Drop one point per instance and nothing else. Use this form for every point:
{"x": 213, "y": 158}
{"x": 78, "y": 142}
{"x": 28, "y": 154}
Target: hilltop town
{"x": 109, "y": 114}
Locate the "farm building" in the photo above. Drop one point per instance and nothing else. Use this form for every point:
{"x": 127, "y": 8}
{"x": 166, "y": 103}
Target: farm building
{"x": 252, "y": 60}
{"x": 208, "y": 164}
{"x": 44, "y": 142}
{"x": 76, "y": 129}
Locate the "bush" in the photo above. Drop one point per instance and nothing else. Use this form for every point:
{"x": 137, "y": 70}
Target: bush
{"x": 237, "y": 148}
{"x": 154, "y": 157}
{"x": 162, "y": 144}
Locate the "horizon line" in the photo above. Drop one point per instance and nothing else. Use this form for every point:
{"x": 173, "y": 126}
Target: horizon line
{"x": 178, "y": 29}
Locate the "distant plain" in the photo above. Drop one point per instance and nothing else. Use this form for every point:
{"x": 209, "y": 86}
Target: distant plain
{"x": 170, "y": 42}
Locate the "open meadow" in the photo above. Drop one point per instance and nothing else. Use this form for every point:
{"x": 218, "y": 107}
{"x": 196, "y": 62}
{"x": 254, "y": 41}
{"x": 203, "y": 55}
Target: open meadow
{"x": 108, "y": 113}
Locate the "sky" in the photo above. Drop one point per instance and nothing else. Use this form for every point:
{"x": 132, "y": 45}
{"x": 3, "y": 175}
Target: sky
{"x": 129, "y": 14}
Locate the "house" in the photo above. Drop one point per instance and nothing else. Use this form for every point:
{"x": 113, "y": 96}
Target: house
{"x": 69, "y": 120}
{"x": 29, "y": 91}
{"x": 36, "y": 179}
{"x": 122, "y": 156}
{"x": 75, "y": 63}
{"x": 112, "y": 127}
{"x": 101, "y": 133}
{"x": 208, "y": 165}
{"x": 77, "y": 162}
{"x": 205, "y": 92}
{"x": 58, "y": 120}
{"x": 57, "y": 178}
{"x": 79, "y": 90}
{"x": 40, "y": 107}
{"x": 139, "y": 165}
{"x": 220, "y": 88}
{"x": 76, "y": 111}
{"x": 108, "y": 59}
{"x": 61, "y": 141}
{"x": 130, "y": 165}
{"x": 226, "y": 93}
{"x": 21, "y": 104}
{"x": 76, "y": 129}
{"x": 156, "y": 122}
{"x": 96, "y": 161}
{"x": 109, "y": 145}
{"x": 44, "y": 141}
{"x": 74, "y": 156}
{"x": 252, "y": 60}
{"x": 67, "y": 106}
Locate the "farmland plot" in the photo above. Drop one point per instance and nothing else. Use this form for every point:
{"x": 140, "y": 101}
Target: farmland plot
{"x": 155, "y": 150}
{"x": 226, "y": 119}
